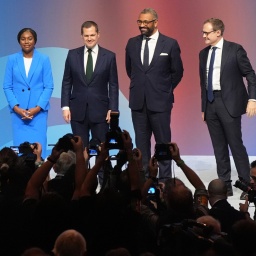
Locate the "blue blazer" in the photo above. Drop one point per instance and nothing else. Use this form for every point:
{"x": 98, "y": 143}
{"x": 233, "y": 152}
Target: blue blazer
{"x": 235, "y": 65}
{"x": 157, "y": 82}
{"x": 98, "y": 95}
{"x": 34, "y": 90}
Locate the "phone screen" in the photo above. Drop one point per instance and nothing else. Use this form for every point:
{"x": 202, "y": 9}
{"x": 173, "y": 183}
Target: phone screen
{"x": 151, "y": 190}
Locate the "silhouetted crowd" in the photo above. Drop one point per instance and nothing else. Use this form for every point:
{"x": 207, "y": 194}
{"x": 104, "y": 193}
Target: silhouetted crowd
{"x": 127, "y": 213}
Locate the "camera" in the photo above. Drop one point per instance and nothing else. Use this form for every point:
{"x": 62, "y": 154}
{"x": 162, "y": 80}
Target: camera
{"x": 64, "y": 143}
{"x": 93, "y": 147}
{"x": 24, "y": 148}
{"x": 246, "y": 187}
{"x": 162, "y": 152}
{"x": 25, "y": 151}
{"x": 114, "y": 135}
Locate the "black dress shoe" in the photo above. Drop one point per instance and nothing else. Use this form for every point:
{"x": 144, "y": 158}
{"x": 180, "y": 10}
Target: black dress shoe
{"x": 230, "y": 192}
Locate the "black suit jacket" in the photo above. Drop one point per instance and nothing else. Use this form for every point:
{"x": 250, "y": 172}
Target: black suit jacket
{"x": 226, "y": 214}
{"x": 157, "y": 82}
{"x": 235, "y": 65}
{"x": 99, "y": 95}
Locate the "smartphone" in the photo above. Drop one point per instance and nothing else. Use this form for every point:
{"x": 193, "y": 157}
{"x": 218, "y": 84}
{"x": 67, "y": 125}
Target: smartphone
{"x": 93, "y": 152}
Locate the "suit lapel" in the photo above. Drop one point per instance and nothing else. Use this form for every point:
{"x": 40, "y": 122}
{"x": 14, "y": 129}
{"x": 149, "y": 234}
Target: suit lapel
{"x": 225, "y": 55}
{"x": 204, "y": 59}
{"x": 21, "y": 66}
{"x": 138, "y": 45}
{"x": 159, "y": 46}
{"x": 99, "y": 63}
{"x": 34, "y": 64}
{"x": 80, "y": 63}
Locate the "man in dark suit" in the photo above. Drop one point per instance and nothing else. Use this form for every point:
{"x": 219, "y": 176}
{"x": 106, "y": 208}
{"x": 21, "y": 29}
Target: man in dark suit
{"x": 220, "y": 207}
{"x": 90, "y": 86}
{"x": 154, "y": 65}
{"x": 225, "y": 98}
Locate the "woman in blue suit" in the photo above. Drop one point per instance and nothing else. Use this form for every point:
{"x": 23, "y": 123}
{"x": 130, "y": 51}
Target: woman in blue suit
{"x": 28, "y": 86}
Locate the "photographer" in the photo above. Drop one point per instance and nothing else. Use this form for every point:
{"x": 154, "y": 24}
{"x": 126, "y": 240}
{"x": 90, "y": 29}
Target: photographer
{"x": 220, "y": 207}
{"x": 63, "y": 182}
{"x": 253, "y": 185}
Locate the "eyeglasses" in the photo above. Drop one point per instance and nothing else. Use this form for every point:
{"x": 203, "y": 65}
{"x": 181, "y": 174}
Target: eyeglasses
{"x": 144, "y": 22}
{"x": 207, "y": 33}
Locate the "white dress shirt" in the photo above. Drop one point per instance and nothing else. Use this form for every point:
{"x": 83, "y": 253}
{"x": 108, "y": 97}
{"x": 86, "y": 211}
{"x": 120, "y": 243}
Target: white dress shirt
{"x": 216, "y": 65}
{"x": 151, "y": 46}
{"x": 95, "y": 51}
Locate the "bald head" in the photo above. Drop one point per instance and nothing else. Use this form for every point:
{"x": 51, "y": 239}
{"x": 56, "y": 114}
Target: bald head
{"x": 70, "y": 243}
{"x": 217, "y": 188}
{"x": 211, "y": 222}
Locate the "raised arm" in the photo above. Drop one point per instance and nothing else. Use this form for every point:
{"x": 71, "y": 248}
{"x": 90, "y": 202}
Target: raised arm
{"x": 39, "y": 176}
{"x": 91, "y": 177}
{"x": 81, "y": 169}
{"x": 190, "y": 174}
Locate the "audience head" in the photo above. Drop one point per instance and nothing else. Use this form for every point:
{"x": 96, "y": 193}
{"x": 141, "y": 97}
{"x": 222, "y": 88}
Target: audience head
{"x": 178, "y": 197}
{"x": 70, "y": 243}
{"x": 253, "y": 174}
{"x": 217, "y": 190}
{"x": 243, "y": 237}
{"x": 8, "y": 159}
{"x": 118, "y": 252}
{"x": 210, "y": 222}
{"x": 65, "y": 162}
{"x": 34, "y": 252}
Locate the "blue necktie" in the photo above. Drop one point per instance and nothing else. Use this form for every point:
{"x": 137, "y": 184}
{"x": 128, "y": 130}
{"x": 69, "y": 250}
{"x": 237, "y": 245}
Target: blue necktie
{"x": 146, "y": 54}
{"x": 209, "y": 89}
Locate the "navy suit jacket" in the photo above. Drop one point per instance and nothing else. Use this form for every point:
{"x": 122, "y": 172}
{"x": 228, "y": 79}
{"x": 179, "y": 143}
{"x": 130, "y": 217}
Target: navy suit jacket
{"x": 99, "y": 95}
{"x": 235, "y": 65}
{"x": 157, "y": 82}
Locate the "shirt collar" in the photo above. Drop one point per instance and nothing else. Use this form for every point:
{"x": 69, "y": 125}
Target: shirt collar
{"x": 154, "y": 36}
{"x": 95, "y": 49}
{"x": 219, "y": 45}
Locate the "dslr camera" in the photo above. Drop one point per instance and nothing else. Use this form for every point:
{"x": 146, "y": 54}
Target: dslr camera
{"x": 24, "y": 148}
{"x": 162, "y": 152}
{"x": 114, "y": 135}
{"x": 64, "y": 143}
{"x": 246, "y": 187}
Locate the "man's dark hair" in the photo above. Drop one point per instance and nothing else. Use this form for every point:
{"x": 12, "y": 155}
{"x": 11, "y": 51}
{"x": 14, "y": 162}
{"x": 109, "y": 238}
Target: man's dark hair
{"x": 32, "y": 31}
{"x": 88, "y": 24}
{"x": 253, "y": 164}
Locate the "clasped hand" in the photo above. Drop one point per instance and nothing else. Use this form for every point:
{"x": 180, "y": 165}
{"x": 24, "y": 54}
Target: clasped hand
{"x": 26, "y": 115}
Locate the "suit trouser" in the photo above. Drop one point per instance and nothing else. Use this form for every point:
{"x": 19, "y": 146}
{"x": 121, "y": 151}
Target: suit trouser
{"x": 98, "y": 132}
{"x": 225, "y": 132}
{"x": 146, "y": 122}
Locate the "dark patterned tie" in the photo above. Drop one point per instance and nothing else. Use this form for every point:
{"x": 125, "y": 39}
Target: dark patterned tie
{"x": 146, "y": 54}
{"x": 89, "y": 65}
{"x": 209, "y": 89}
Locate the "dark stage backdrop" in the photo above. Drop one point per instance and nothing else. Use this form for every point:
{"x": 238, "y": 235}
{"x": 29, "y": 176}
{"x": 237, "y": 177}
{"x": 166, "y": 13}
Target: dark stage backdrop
{"x": 58, "y": 22}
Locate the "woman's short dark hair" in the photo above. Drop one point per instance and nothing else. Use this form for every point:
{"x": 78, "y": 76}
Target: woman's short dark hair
{"x": 32, "y": 31}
